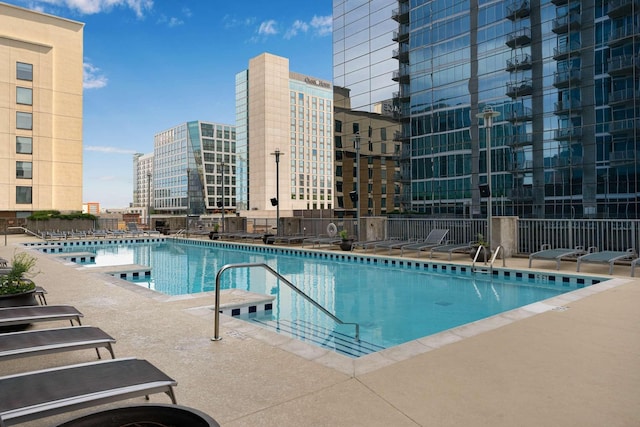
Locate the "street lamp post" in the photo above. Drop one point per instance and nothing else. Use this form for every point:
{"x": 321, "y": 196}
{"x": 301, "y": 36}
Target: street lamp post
{"x": 277, "y": 153}
{"x": 222, "y": 203}
{"x": 488, "y": 115}
{"x": 356, "y": 144}
{"x": 149, "y": 200}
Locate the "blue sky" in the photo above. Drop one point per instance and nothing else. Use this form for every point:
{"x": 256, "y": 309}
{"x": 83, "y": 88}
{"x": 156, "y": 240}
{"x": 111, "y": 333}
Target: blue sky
{"x": 152, "y": 64}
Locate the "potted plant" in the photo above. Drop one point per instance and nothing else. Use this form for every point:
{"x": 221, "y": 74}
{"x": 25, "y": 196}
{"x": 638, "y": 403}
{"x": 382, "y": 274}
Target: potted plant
{"x": 486, "y": 252}
{"x": 213, "y": 235}
{"x": 16, "y": 288}
{"x": 346, "y": 243}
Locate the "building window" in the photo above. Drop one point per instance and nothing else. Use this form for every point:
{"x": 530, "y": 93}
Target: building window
{"x": 24, "y": 170}
{"x": 23, "y": 195}
{"x": 24, "y": 95}
{"x": 24, "y": 120}
{"x": 24, "y": 71}
{"x": 24, "y": 145}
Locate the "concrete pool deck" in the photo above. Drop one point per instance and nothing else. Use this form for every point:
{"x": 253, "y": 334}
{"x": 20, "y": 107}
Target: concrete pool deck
{"x": 572, "y": 361}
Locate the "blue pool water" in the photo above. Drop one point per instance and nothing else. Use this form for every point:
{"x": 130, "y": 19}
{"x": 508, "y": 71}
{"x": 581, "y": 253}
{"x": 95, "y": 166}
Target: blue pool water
{"x": 392, "y": 304}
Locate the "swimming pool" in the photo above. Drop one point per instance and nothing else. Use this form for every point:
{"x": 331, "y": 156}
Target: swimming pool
{"x": 394, "y": 301}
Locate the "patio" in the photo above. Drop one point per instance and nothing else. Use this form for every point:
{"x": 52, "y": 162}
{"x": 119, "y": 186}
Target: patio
{"x": 576, "y": 364}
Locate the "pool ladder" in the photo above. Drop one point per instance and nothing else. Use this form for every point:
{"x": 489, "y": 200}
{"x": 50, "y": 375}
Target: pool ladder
{"x": 216, "y": 325}
{"x": 485, "y": 269}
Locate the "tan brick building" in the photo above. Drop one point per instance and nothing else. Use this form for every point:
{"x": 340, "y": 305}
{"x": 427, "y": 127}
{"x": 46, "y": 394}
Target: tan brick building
{"x": 40, "y": 112}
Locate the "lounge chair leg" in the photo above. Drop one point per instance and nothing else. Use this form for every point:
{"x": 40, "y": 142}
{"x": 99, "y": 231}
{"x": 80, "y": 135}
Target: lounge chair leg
{"x": 98, "y": 353}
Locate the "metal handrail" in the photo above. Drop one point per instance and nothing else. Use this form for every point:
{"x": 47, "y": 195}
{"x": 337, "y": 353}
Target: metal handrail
{"x": 493, "y": 258}
{"x": 216, "y": 323}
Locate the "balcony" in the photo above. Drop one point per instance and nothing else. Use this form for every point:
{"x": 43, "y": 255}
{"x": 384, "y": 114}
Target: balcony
{"x": 622, "y": 65}
{"x": 563, "y": 162}
{"x": 522, "y": 166}
{"x": 517, "y": 89}
{"x": 401, "y": 34}
{"x": 569, "y": 106}
{"x": 521, "y": 140}
{"x": 618, "y": 8}
{"x": 563, "y": 52}
{"x": 559, "y": 2}
{"x": 566, "y": 23}
{"x": 624, "y": 96}
{"x": 401, "y": 14}
{"x": 568, "y": 133}
{"x": 520, "y": 194}
{"x": 400, "y": 96}
{"x": 621, "y": 157}
{"x": 519, "y": 62}
{"x": 626, "y": 126}
{"x": 401, "y": 54}
{"x": 519, "y": 38}
{"x": 401, "y": 75}
{"x": 622, "y": 35}
{"x": 566, "y": 78}
{"x": 523, "y": 114}
{"x": 518, "y": 9}
{"x": 397, "y": 136}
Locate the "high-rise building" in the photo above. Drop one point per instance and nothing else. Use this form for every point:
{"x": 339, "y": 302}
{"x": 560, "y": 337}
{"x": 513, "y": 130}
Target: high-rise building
{"x": 194, "y": 169}
{"x": 286, "y": 117}
{"x": 562, "y": 74}
{"x": 40, "y": 112}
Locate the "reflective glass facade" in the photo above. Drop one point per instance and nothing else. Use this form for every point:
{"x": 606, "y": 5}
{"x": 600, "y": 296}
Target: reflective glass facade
{"x": 367, "y": 126}
{"x": 194, "y": 168}
{"x": 563, "y": 74}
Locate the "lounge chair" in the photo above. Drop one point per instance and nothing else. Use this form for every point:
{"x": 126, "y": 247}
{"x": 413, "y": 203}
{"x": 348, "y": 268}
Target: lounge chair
{"x": 286, "y": 239}
{"x": 321, "y": 240}
{"x": 558, "y": 254}
{"x": 366, "y": 244}
{"x": 633, "y": 266}
{"x": 45, "y": 341}
{"x": 434, "y": 238}
{"x": 392, "y": 244}
{"x": 451, "y": 248}
{"x": 38, "y": 313}
{"x": 33, "y": 395}
{"x": 608, "y": 257}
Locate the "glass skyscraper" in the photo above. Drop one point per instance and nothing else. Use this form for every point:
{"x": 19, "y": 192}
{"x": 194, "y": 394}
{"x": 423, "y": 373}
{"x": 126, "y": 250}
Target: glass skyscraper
{"x": 194, "y": 170}
{"x": 563, "y": 74}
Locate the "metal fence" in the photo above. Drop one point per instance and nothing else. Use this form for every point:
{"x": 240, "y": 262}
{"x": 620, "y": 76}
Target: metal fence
{"x": 604, "y": 234}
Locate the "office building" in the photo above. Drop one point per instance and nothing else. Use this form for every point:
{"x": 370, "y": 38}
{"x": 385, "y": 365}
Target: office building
{"x": 40, "y": 112}
{"x": 286, "y": 117}
{"x": 562, "y": 74}
{"x": 194, "y": 169}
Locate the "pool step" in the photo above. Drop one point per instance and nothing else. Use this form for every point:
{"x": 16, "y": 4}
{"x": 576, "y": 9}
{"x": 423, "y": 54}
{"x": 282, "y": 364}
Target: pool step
{"x": 318, "y": 335}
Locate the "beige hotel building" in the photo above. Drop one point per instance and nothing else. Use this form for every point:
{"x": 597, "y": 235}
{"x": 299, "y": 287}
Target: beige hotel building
{"x": 278, "y": 110}
{"x": 40, "y": 112}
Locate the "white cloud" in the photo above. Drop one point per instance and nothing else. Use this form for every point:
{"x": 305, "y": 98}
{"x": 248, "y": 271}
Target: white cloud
{"x": 268, "y": 28}
{"x": 322, "y": 24}
{"x": 92, "y": 78}
{"x": 295, "y": 28}
{"x": 171, "y": 22}
{"x": 109, "y": 150}
{"x": 90, "y": 7}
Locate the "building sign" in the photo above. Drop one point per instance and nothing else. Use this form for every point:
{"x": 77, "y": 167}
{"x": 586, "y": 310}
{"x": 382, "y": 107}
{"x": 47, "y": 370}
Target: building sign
{"x": 317, "y": 82}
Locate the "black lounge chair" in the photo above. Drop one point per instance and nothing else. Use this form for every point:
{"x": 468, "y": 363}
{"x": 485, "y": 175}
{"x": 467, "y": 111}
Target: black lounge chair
{"x": 557, "y": 254}
{"x": 434, "y": 238}
{"x": 286, "y": 239}
{"x": 38, "y": 313}
{"x": 321, "y": 240}
{"x": 33, "y": 395}
{"x": 366, "y": 244}
{"x": 609, "y": 257}
{"x": 451, "y": 248}
{"x": 45, "y": 341}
